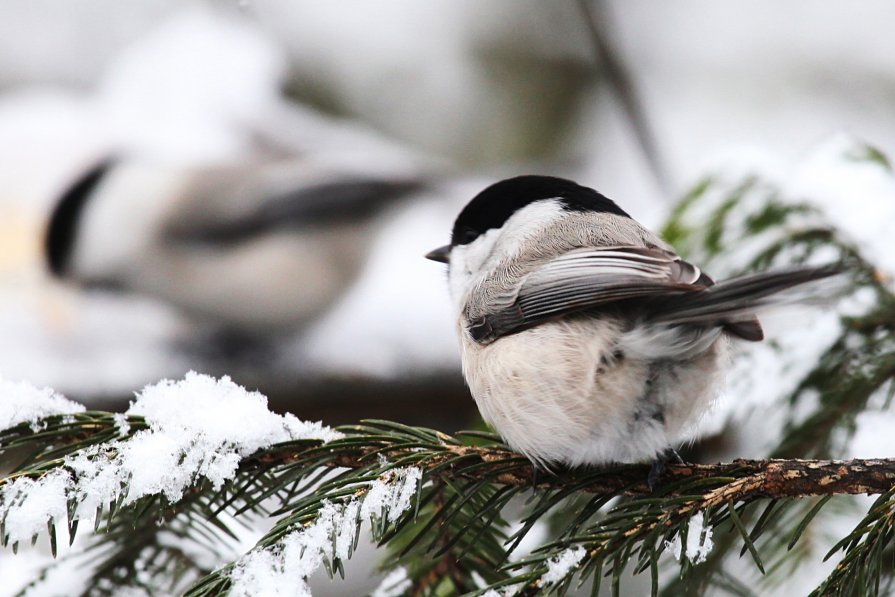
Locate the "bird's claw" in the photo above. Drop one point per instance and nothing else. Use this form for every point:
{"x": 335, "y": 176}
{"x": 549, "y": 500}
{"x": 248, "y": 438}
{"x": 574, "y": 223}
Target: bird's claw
{"x": 658, "y": 467}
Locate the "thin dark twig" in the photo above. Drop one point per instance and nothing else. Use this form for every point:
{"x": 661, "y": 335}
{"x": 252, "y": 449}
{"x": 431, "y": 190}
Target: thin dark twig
{"x": 625, "y": 90}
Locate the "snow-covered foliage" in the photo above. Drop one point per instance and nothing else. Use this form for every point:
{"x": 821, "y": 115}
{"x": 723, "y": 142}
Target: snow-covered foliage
{"x": 835, "y": 203}
{"x": 699, "y": 541}
{"x": 560, "y": 566}
{"x": 814, "y": 387}
{"x": 20, "y": 402}
{"x": 853, "y": 183}
{"x": 198, "y": 427}
{"x": 284, "y": 568}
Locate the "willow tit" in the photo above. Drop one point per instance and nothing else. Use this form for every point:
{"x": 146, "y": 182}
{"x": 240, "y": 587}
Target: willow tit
{"x": 250, "y": 248}
{"x": 584, "y": 338}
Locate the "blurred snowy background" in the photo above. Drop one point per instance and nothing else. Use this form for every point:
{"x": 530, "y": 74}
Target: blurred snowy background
{"x": 190, "y": 100}
{"x": 455, "y": 94}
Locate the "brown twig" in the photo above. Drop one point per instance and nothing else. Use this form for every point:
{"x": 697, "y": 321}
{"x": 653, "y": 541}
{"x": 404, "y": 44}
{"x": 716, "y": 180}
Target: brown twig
{"x": 739, "y": 480}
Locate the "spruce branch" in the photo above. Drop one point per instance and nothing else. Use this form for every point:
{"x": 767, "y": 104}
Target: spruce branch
{"x": 743, "y": 479}
{"x": 867, "y": 548}
{"x": 466, "y": 482}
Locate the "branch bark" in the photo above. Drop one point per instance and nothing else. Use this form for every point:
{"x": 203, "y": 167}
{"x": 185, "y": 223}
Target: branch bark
{"x": 741, "y": 479}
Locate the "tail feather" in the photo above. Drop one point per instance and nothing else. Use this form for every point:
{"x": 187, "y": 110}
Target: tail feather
{"x": 747, "y": 330}
{"x": 734, "y": 302}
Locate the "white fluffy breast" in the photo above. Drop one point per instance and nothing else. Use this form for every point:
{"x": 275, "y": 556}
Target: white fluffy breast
{"x": 557, "y": 393}
{"x": 542, "y": 391}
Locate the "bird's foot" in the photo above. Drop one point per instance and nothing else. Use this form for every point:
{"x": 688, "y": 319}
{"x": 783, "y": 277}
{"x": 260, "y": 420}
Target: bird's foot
{"x": 535, "y": 476}
{"x": 538, "y": 472}
{"x": 658, "y": 467}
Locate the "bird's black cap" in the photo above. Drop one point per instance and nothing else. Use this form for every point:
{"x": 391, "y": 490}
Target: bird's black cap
{"x": 495, "y": 205}
{"x": 62, "y": 229}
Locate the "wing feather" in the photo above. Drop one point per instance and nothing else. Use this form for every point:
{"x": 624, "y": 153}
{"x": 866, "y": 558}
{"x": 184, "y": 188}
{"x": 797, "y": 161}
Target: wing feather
{"x": 669, "y": 292}
{"x": 587, "y": 279}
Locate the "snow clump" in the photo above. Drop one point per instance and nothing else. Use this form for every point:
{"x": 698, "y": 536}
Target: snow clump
{"x": 197, "y": 427}
{"x": 283, "y": 569}
{"x": 20, "y": 402}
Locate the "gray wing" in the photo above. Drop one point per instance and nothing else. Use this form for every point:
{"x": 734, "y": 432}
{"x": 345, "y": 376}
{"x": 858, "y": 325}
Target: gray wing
{"x": 587, "y": 279}
{"x": 322, "y": 204}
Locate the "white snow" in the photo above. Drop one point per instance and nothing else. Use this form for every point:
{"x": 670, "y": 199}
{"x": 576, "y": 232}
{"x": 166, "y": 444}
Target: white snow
{"x": 198, "y": 427}
{"x": 284, "y": 568}
{"x": 186, "y": 89}
{"x": 220, "y": 411}
{"x": 394, "y": 584}
{"x": 121, "y": 423}
{"x": 561, "y": 565}
{"x": 856, "y": 193}
{"x": 699, "y": 541}
{"x": 391, "y": 496}
{"x": 21, "y": 402}
{"x": 873, "y": 436}
{"x": 26, "y": 505}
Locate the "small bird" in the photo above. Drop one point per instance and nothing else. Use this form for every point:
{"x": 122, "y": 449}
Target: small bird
{"x": 256, "y": 247}
{"x": 584, "y": 338}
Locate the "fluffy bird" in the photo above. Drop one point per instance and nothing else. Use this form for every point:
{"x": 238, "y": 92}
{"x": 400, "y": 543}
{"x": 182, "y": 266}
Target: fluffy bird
{"x": 584, "y": 338}
{"x": 252, "y": 248}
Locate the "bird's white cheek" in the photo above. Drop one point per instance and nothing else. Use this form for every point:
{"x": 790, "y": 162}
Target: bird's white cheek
{"x": 464, "y": 273}
{"x": 458, "y": 276}
{"x": 470, "y": 264}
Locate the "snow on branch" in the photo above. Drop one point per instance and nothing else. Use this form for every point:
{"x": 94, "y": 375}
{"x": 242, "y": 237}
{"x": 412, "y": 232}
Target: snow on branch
{"x": 331, "y": 537}
{"x": 202, "y": 446}
{"x": 199, "y": 427}
{"x": 23, "y": 403}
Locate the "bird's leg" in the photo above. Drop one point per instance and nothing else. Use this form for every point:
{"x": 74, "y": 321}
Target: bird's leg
{"x": 658, "y": 467}
{"x": 538, "y": 469}
{"x": 535, "y": 475}
{"x": 672, "y": 456}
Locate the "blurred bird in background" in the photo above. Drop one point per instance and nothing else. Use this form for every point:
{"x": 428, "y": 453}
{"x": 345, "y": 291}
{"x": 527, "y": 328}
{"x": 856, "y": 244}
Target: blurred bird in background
{"x": 260, "y": 248}
{"x": 203, "y": 220}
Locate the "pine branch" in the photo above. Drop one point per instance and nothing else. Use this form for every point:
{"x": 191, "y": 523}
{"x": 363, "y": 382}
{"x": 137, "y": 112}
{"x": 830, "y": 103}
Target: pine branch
{"x": 866, "y": 553}
{"x": 466, "y": 482}
{"x": 742, "y": 479}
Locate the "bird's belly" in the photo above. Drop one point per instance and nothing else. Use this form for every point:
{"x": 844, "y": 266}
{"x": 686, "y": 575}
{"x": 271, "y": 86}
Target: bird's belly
{"x": 557, "y": 394}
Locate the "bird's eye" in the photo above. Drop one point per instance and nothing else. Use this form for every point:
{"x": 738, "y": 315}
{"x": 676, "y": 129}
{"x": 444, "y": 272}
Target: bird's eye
{"x": 466, "y": 236}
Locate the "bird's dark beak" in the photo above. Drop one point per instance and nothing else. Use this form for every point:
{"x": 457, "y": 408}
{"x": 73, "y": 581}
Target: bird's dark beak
{"x": 441, "y": 254}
